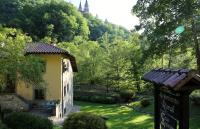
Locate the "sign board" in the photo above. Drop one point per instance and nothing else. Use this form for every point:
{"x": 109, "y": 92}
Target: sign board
{"x": 169, "y": 109}
{"x": 171, "y": 98}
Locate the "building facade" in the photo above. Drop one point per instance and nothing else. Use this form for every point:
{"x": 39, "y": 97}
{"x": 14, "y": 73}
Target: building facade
{"x": 58, "y": 77}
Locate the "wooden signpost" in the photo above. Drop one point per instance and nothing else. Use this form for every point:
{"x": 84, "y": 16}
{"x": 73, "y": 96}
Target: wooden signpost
{"x": 171, "y": 95}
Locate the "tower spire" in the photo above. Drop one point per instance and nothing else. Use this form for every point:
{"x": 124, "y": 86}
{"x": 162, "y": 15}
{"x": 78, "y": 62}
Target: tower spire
{"x": 80, "y": 7}
{"x": 86, "y": 8}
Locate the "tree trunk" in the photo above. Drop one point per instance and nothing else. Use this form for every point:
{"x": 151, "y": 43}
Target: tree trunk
{"x": 162, "y": 61}
{"x": 138, "y": 86}
{"x": 170, "y": 58}
{"x": 194, "y": 34}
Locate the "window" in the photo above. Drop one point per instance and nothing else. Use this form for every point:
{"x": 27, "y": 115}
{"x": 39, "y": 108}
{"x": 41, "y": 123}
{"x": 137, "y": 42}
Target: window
{"x": 65, "y": 110}
{"x": 39, "y": 94}
{"x": 64, "y": 90}
{"x": 65, "y": 66}
{"x": 67, "y": 87}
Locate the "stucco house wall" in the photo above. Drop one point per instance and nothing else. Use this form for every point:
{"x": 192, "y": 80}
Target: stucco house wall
{"x": 58, "y": 77}
{"x": 52, "y": 77}
{"x": 67, "y": 86}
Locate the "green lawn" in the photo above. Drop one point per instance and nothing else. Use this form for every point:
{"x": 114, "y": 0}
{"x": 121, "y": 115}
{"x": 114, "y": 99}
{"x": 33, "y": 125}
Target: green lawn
{"x": 56, "y": 127}
{"x": 121, "y": 117}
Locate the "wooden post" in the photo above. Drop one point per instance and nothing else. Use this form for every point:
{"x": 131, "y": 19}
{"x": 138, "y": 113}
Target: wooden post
{"x": 1, "y": 114}
{"x": 184, "y": 111}
{"x": 156, "y": 108}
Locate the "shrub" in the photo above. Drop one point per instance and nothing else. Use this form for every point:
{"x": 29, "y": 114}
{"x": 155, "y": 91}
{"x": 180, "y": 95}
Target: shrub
{"x": 103, "y": 99}
{"x": 195, "y": 98}
{"x": 145, "y": 102}
{"x": 98, "y": 99}
{"x": 5, "y": 112}
{"x": 2, "y": 126}
{"x": 84, "y": 120}
{"x": 135, "y": 105}
{"x": 19, "y": 120}
{"x": 126, "y": 95}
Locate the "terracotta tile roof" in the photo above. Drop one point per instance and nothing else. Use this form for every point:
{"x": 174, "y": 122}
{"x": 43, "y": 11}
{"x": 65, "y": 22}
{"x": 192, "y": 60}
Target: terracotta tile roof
{"x": 44, "y": 48}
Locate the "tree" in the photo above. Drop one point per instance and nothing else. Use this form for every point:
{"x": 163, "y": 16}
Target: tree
{"x": 13, "y": 64}
{"x": 98, "y": 28}
{"x": 89, "y": 56}
{"x": 44, "y": 18}
{"x": 117, "y": 64}
{"x": 159, "y": 19}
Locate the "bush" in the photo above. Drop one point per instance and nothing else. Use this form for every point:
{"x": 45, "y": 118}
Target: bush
{"x": 98, "y": 99}
{"x": 5, "y": 112}
{"x": 145, "y": 102}
{"x": 2, "y": 126}
{"x": 17, "y": 120}
{"x": 84, "y": 120}
{"x": 103, "y": 99}
{"x": 126, "y": 95}
{"x": 195, "y": 97}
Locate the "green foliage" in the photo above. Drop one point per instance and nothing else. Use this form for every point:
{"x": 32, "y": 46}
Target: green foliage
{"x": 49, "y": 19}
{"x": 96, "y": 97}
{"x": 103, "y": 99}
{"x": 145, "y": 102}
{"x": 34, "y": 65}
{"x": 195, "y": 97}
{"x": 89, "y": 56}
{"x": 2, "y": 126}
{"x": 98, "y": 28}
{"x": 120, "y": 117}
{"x": 84, "y": 120}
{"x": 27, "y": 121}
{"x": 127, "y": 95}
{"x": 159, "y": 19}
{"x": 112, "y": 64}
{"x": 14, "y": 65}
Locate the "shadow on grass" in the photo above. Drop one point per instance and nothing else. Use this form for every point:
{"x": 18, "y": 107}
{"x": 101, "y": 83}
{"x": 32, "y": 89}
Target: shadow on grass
{"x": 120, "y": 117}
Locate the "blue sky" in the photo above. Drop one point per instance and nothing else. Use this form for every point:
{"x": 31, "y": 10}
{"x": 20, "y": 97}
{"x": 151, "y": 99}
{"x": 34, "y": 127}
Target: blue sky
{"x": 115, "y": 11}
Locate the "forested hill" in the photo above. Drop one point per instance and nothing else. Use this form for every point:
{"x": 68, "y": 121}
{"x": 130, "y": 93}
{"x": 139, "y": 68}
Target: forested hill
{"x": 98, "y": 28}
{"x": 55, "y": 21}
{"x": 106, "y": 54}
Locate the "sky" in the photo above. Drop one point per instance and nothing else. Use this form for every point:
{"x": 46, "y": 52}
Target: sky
{"x": 115, "y": 11}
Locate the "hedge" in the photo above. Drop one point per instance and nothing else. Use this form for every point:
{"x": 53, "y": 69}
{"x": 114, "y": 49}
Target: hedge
{"x": 84, "y": 120}
{"x": 21, "y": 120}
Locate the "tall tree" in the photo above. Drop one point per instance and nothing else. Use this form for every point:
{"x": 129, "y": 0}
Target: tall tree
{"x": 13, "y": 64}
{"x": 56, "y": 19}
{"x": 159, "y": 19}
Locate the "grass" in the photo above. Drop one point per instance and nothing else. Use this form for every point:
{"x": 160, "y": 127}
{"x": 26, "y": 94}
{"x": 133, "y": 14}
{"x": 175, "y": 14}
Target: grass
{"x": 121, "y": 117}
{"x": 56, "y": 127}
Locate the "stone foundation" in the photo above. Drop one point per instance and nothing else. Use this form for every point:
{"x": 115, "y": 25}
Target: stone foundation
{"x": 13, "y": 102}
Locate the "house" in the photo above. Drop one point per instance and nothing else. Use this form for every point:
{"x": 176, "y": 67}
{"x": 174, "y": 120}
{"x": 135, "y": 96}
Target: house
{"x": 58, "y": 77}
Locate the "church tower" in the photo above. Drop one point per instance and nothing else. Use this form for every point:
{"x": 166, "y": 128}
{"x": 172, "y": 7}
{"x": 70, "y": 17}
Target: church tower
{"x": 80, "y": 7}
{"x": 86, "y": 7}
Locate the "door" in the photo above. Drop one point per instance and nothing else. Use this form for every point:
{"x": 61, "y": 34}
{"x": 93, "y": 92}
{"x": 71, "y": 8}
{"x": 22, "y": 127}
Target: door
{"x": 39, "y": 94}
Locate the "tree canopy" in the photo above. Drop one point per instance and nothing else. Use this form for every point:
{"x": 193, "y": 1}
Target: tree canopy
{"x": 58, "y": 20}
{"x": 13, "y": 64}
{"x": 160, "y": 18}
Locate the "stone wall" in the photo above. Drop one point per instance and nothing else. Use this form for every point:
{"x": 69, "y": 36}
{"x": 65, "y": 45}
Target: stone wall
{"x": 13, "y": 102}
